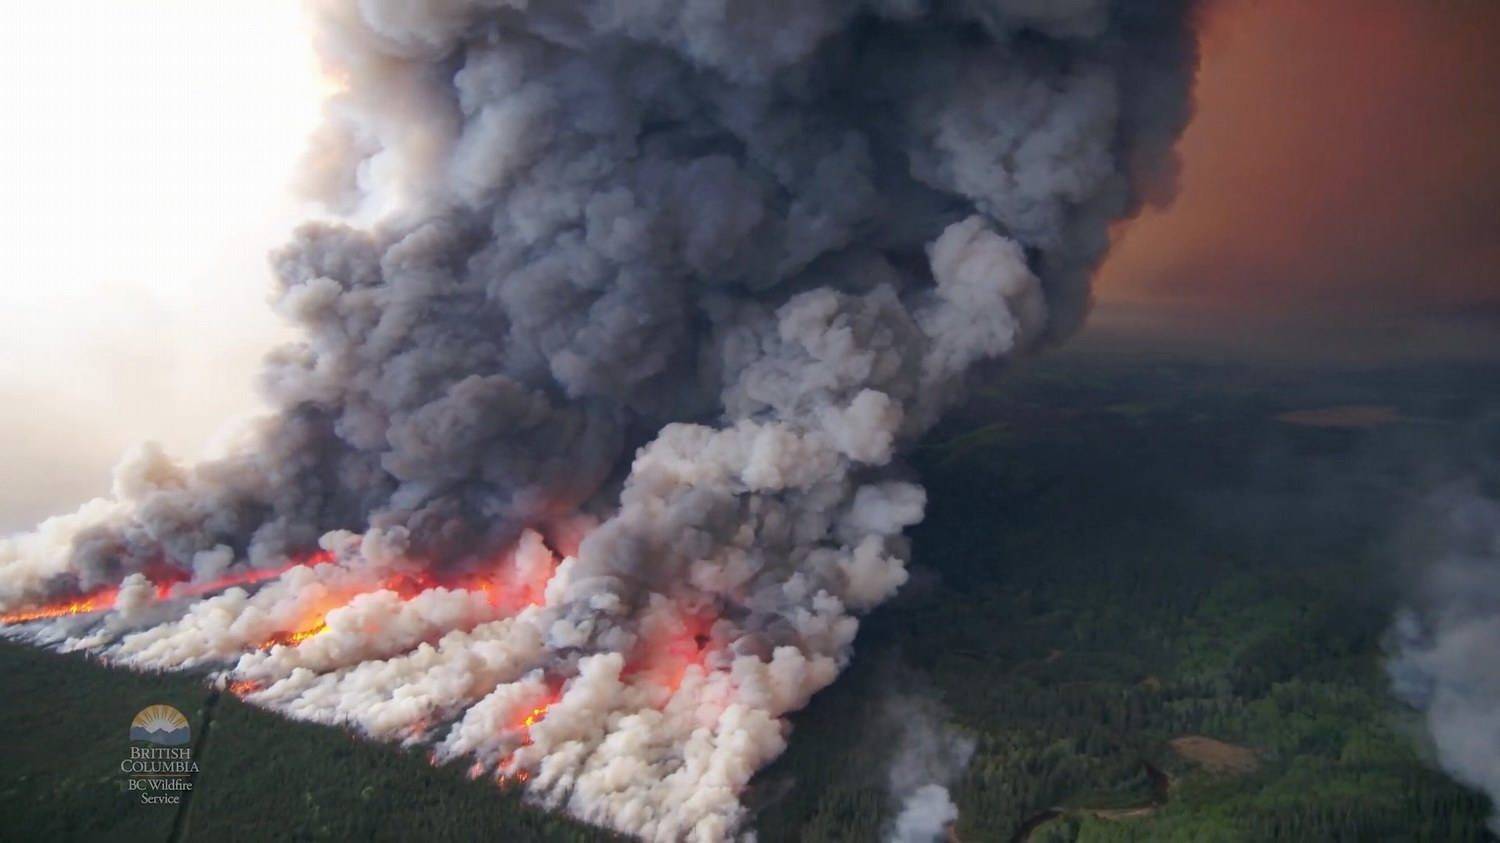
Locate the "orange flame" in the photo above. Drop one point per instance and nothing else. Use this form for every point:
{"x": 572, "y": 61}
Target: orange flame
{"x": 169, "y": 583}
{"x": 516, "y": 779}
{"x": 409, "y": 585}
{"x": 670, "y": 648}
{"x": 251, "y": 576}
{"x": 97, "y": 602}
{"x": 406, "y": 585}
{"x": 535, "y": 716}
{"x": 302, "y": 635}
{"x": 292, "y": 638}
{"x": 244, "y": 687}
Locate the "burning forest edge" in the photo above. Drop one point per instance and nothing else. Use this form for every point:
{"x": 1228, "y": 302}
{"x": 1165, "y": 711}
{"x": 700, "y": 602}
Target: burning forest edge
{"x": 671, "y": 289}
{"x": 1084, "y": 654}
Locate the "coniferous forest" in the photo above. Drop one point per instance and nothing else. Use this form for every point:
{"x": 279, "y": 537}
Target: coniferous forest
{"x": 1152, "y": 593}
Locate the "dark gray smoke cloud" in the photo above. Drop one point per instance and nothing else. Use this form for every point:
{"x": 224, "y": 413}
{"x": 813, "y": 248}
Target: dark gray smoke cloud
{"x": 1447, "y": 644}
{"x": 758, "y": 244}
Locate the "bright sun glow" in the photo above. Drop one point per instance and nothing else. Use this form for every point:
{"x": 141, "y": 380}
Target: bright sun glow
{"x": 146, "y": 149}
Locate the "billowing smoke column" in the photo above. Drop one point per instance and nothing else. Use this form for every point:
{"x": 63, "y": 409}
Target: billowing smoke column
{"x": 1447, "y": 645}
{"x": 758, "y": 244}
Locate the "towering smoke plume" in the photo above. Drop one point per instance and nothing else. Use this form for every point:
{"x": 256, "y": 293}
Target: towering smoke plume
{"x": 758, "y": 244}
{"x": 1446, "y": 660}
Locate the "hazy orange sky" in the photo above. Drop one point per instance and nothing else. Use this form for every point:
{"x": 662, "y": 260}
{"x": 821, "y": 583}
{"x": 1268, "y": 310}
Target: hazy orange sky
{"x": 1345, "y": 153}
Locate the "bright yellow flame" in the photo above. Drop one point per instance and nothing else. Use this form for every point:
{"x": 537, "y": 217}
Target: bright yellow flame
{"x": 302, "y": 635}
{"x": 297, "y": 636}
{"x": 535, "y": 716}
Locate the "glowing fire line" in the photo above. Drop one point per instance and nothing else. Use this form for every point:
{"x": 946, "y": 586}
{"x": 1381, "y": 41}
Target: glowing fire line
{"x": 96, "y": 602}
{"x": 167, "y": 584}
{"x": 170, "y": 583}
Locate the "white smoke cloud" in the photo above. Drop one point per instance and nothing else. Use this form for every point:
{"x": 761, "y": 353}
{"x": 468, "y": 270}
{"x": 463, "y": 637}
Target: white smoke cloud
{"x": 1445, "y": 660}
{"x": 665, "y": 287}
{"x": 930, "y": 756}
{"x": 925, "y": 816}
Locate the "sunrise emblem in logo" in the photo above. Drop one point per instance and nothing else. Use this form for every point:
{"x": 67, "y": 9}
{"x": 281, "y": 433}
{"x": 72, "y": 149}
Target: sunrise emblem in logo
{"x": 160, "y": 724}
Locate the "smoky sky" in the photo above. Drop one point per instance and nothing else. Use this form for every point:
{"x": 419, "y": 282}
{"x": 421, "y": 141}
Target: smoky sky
{"x": 1342, "y": 157}
{"x": 686, "y": 277}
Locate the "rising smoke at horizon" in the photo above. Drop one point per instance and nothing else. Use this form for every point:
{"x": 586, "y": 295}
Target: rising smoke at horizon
{"x": 1444, "y": 642}
{"x": 588, "y": 458}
